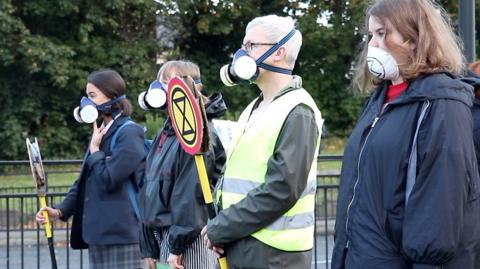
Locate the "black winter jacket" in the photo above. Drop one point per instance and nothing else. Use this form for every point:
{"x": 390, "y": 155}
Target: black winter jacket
{"x": 440, "y": 226}
{"x": 474, "y": 80}
{"x": 476, "y": 128}
{"x": 171, "y": 196}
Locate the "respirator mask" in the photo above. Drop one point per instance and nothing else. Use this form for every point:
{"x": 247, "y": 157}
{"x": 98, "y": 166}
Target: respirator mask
{"x": 245, "y": 69}
{"x": 153, "y": 98}
{"x": 88, "y": 111}
{"x": 156, "y": 96}
{"x": 381, "y": 64}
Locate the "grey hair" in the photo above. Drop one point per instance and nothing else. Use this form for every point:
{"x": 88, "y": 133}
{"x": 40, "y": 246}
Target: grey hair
{"x": 276, "y": 28}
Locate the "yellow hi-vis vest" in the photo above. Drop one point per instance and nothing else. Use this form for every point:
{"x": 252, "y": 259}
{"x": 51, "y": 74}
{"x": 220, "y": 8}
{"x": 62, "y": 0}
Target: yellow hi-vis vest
{"x": 246, "y": 169}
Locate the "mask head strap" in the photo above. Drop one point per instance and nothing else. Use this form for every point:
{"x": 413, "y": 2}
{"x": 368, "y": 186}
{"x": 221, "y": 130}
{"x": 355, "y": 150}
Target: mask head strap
{"x": 108, "y": 105}
{"x": 276, "y": 46}
{"x": 85, "y": 101}
{"x": 156, "y": 84}
{"x": 275, "y": 69}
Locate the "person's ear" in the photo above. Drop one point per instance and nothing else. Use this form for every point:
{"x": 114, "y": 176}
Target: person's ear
{"x": 280, "y": 54}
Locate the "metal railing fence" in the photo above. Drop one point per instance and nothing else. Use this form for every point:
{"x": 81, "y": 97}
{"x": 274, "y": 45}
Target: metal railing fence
{"x": 23, "y": 245}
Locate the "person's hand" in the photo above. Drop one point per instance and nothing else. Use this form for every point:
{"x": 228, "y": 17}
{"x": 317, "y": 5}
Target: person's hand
{"x": 53, "y": 214}
{"x": 217, "y": 250}
{"x": 97, "y": 136}
{"x": 205, "y": 238}
{"x": 150, "y": 263}
{"x": 175, "y": 261}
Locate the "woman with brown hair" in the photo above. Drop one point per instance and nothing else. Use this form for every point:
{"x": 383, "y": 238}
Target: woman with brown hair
{"x": 171, "y": 201}
{"x": 104, "y": 217}
{"x": 409, "y": 187}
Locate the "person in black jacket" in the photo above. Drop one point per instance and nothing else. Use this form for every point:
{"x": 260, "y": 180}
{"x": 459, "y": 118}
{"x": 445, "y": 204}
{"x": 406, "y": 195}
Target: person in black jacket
{"x": 409, "y": 186}
{"x": 171, "y": 200}
{"x": 104, "y": 219}
{"x": 475, "y": 68}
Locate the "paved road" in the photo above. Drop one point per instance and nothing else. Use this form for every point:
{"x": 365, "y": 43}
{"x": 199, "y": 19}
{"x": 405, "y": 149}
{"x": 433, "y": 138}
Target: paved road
{"x": 34, "y": 257}
{"x": 40, "y": 259}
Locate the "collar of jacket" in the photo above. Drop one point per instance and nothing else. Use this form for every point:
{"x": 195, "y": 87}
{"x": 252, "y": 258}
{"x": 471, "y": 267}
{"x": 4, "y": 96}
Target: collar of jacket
{"x": 168, "y": 128}
{"x": 215, "y": 107}
{"x": 472, "y": 79}
{"x": 116, "y": 123}
{"x": 476, "y": 102}
{"x": 441, "y": 85}
{"x": 295, "y": 84}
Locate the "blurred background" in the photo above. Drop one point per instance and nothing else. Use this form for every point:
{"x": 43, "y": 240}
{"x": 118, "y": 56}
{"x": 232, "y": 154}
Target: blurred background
{"x": 47, "y": 49}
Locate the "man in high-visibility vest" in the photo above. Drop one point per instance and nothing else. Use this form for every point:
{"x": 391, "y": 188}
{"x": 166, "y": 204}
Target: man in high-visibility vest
{"x": 267, "y": 194}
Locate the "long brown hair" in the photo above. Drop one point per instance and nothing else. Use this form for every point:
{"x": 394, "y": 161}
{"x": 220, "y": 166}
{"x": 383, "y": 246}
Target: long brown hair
{"x": 420, "y": 22}
{"x": 187, "y": 70}
{"x": 110, "y": 83}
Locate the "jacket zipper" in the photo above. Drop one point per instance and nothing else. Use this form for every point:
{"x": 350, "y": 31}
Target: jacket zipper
{"x": 358, "y": 169}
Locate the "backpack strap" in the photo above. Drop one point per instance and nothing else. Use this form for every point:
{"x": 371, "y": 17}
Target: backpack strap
{"x": 130, "y": 187}
{"x": 412, "y": 161}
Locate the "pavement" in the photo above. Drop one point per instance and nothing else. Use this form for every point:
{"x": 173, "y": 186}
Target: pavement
{"x": 38, "y": 256}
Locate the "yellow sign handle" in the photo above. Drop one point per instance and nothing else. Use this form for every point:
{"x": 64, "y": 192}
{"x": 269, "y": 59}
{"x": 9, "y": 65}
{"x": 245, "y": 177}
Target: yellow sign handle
{"x": 207, "y": 195}
{"x": 223, "y": 263}
{"x": 202, "y": 175}
{"x": 47, "y": 225}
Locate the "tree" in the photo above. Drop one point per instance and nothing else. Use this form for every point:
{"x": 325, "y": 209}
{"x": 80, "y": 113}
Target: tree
{"x": 47, "y": 49}
{"x": 326, "y": 58}
{"x": 209, "y": 32}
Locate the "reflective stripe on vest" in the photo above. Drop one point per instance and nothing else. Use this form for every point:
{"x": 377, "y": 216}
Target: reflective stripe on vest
{"x": 243, "y": 186}
{"x": 247, "y": 164}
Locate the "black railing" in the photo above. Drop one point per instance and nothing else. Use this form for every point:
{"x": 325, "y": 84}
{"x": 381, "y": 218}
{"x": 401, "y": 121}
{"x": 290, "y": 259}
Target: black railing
{"x": 23, "y": 245}
{"x": 22, "y": 239}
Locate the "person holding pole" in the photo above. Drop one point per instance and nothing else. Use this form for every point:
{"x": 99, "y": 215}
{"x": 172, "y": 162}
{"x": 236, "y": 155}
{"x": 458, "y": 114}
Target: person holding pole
{"x": 104, "y": 215}
{"x": 267, "y": 194}
{"x": 171, "y": 201}
{"x": 409, "y": 194}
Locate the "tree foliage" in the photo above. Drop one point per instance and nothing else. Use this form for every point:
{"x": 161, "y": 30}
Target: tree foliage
{"x": 47, "y": 49}
{"x": 209, "y": 32}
